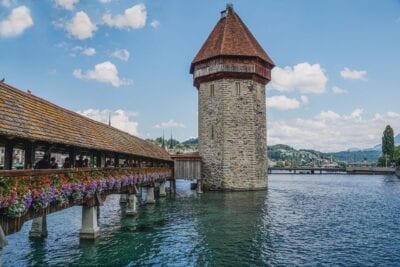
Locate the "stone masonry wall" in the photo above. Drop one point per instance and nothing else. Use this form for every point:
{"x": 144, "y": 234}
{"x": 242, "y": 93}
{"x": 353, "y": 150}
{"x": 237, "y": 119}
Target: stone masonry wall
{"x": 234, "y": 157}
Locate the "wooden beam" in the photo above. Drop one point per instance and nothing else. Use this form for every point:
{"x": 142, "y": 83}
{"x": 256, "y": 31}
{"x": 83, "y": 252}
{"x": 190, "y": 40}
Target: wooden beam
{"x": 8, "y": 156}
{"x": 72, "y": 157}
{"x": 100, "y": 160}
{"x": 130, "y": 161}
{"x": 29, "y": 157}
{"x": 116, "y": 160}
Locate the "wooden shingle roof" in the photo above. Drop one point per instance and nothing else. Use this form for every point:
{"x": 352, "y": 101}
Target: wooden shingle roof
{"x": 29, "y": 117}
{"x": 231, "y": 37}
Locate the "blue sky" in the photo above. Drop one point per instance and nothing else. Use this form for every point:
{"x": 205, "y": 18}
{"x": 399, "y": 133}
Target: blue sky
{"x": 336, "y": 84}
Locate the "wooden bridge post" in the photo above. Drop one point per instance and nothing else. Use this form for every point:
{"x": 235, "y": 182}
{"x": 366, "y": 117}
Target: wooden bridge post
{"x": 116, "y": 160}
{"x": 199, "y": 187}
{"x": 172, "y": 186}
{"x": 29, "y": 151}
{"x": 8, "y": 156}
{"x": 131, "y": 208}
{"x": 123, "y": 198}
{"x": 90, "y": 228}
{"x": 150, "y": 195}
{"x": 3, "y": 243}
{"x": 163, "y": 193}
{"x": 39, "y": 227}
{"x": 100, "y": 160}
{"x": 130, "y": 162}
{"x": 72, "y": 157}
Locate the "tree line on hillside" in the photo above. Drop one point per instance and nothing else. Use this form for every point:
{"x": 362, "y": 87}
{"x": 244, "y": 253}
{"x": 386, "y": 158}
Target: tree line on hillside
{"x": 390, "y": 152}
{"x": 286, "y": 155}
{"x": 174, "y": 146}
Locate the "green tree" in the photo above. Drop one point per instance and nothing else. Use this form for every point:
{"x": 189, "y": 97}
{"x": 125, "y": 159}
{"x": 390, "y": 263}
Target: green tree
{"x": 280, "y": 164}
{"x": 388, "y": 142}
{"x": 396, "y": 156}
{"x": 178, "y": 148}
{"x": 383, "y": 161}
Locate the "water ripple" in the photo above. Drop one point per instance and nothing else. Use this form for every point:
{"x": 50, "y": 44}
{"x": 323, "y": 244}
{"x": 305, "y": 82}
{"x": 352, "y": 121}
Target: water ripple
{"x": 300, "y": 220}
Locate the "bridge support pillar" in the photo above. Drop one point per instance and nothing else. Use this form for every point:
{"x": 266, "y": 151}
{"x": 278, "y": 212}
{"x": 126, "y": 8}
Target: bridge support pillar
{"x": 90, "y": 228}
{"x": 3, "y": 243}
{"x": 131, "y": 207}
{"x": 139, "y": 193}
{"x": 150, "y": 196}
{"x": 172, "y": 186}
{"x": 163, "y": 193}
{"x": 198, "y": 188}
{"x": 39, "y": 227}
{"x": 123, "y": 198}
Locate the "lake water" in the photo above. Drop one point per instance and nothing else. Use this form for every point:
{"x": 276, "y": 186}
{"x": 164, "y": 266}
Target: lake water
{"x": 299, "y": 220}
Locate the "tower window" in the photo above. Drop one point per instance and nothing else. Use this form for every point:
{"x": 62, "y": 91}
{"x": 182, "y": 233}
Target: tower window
{"x": 237, "y": 85}
{"x": 211, "y": 90}
{"x": 212, "y": 132}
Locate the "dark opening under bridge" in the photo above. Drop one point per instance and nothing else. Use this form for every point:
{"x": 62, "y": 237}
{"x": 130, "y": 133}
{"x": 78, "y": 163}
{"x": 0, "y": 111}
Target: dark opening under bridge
{"x": 102, "y": 160}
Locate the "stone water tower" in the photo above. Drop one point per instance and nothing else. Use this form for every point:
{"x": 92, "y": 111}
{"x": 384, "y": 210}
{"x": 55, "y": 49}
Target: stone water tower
{"x": 230, "y": 72}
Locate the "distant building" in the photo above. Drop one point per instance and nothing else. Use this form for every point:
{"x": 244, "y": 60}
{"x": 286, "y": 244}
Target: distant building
{"x": 230, "y": 72}
{"x": 330, "y": 165}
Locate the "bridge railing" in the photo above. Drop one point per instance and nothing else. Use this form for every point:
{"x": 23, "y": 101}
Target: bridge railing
{"x": 27, "y": 191}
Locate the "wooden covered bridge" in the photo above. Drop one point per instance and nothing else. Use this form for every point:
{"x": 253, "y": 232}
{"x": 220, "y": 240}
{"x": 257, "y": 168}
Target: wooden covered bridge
{"x": 101, "y": 160}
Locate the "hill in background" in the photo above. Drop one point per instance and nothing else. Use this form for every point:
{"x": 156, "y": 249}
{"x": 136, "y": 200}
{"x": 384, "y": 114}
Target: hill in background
{"x": 289, "y": 155}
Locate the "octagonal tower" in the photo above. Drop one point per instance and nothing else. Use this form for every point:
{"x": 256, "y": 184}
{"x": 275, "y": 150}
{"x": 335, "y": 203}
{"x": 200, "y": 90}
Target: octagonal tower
{"x": 230, "y": 72}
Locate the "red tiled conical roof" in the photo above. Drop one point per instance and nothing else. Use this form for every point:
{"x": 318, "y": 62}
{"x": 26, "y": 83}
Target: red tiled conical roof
{"x": 230, "y": 37}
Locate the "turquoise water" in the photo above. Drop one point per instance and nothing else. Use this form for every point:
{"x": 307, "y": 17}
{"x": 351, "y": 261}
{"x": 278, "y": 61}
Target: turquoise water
{"x": 300, "y": 220}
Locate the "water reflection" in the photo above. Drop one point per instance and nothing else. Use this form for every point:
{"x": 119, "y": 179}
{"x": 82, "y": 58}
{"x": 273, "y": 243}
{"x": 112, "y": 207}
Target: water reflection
{"x": 229, "y": 222}
{"x": 38, "y": 251}
{"x": 300, "y": 220}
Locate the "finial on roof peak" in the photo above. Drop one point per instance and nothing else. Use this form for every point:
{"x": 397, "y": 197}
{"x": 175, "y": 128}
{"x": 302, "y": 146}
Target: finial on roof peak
{"x": 227, "y": 11}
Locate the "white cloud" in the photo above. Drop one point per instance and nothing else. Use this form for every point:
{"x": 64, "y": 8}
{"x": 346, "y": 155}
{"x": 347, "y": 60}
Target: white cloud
{"x": 393, "y": 115}
{"x": 80, "y": 26}
{"x": 122, "y": 54}
{"x": 357, "y": 113}
{"x": 120, "y": 119}
{"x": 155, "y": 24}
{"x": 16, "y": 23}
{"x": 89, "y": 51}
{"x": 328, "y": 115}
{"x": 170, "y": 124}
{"x": 304, "y": 77}
{"x": 5, "y": 2}
{"x": 329, "y": 131}
{"x": 77, "y": 50}
{"x": 105, "y": 72}
{"x": 338, "y": 90}
{"x": 105, "y": 1}
{"x": 349, "y": 74}
{"x": 304, "y": 99}
{"x": 282, "y": 102}
{"x": 134, "y": 17}
{"x": 67, "y": 4}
